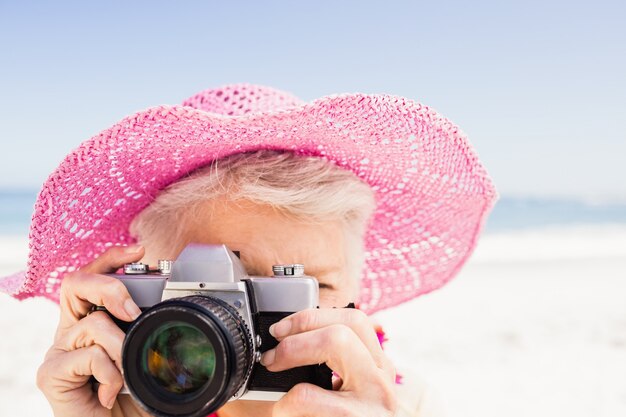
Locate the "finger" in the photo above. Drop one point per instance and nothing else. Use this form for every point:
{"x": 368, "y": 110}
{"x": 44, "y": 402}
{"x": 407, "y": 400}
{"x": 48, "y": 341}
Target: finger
{"x": 308, "y": 400}
{"x": 83, "y": 289}
{"x": 311, "y": 319}
{"x": 337, "y": 346}
{"x": 114, "y": 258}
{"x": 72, "y": 370}
{"x": 95, "y": 329}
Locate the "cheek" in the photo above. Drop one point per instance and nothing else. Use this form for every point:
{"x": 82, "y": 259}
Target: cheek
{"x": 330, "y": 299}
{"x": 339, "y": 298}
{"x": 346, "y": 292}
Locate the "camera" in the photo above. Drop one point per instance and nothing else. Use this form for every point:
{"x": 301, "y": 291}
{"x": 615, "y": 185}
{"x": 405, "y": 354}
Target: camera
{"x": 203, "y": 327}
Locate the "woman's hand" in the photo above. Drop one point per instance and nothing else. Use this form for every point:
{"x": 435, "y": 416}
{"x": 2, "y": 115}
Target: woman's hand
{"x": 90, "y": 344}
{"x": 346, "y": 341}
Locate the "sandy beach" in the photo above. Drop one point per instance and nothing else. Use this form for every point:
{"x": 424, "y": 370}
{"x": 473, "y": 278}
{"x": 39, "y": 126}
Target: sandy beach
{"x": 535, "y": 325}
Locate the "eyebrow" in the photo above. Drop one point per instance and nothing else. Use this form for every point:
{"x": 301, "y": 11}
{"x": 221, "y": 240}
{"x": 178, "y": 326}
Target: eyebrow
{"x": 321, "y": 271}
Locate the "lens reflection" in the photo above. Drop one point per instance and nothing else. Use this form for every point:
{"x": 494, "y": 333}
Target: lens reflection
{"x": 179, "y": 358}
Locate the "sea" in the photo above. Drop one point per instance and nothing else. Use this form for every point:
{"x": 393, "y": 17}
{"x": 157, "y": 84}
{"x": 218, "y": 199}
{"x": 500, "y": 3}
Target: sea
{"x": 509, "y": 214}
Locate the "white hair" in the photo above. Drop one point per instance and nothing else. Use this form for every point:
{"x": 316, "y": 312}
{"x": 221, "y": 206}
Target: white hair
{"x": 309, "y": 189}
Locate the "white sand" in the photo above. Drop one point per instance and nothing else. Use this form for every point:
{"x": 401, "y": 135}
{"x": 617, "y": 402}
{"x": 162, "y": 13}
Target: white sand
{"x": 535, "y": 325}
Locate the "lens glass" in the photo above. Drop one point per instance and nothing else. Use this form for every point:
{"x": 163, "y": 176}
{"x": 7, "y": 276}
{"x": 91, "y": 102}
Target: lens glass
{"x": 179, "y": 358}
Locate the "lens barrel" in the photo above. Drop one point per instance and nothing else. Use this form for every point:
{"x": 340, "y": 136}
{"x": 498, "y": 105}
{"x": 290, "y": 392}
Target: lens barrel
{"x": 187, "y": 356}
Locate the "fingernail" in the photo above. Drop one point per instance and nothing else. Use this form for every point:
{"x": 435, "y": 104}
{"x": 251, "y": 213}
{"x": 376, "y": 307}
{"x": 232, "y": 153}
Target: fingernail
{"x": 281, "y": 328}
{"x": 132, "y": 309}
{"x": 132, "y": 249}
{"x": 111, "y": 402}
{"x": 268, "y": 357}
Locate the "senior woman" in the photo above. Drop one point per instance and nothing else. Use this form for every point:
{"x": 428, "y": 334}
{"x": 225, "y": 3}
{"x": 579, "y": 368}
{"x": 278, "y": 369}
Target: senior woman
{"x": 380, "y": 198}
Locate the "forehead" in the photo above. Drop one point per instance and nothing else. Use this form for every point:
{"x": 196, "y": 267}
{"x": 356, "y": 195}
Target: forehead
{"x": 265, "y": 237}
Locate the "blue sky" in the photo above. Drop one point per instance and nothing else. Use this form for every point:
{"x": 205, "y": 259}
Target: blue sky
{"x": 538, "y": 86}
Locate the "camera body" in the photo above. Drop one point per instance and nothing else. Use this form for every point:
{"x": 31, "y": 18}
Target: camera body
{"x": 203, "y": 328}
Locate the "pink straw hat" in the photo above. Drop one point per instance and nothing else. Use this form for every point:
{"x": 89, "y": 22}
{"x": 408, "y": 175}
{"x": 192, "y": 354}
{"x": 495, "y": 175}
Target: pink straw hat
{"x": 433, "y": 194}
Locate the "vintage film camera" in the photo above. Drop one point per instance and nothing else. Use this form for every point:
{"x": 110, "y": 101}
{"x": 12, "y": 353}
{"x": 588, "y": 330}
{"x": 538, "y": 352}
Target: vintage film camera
{"x": 203, "y": 327}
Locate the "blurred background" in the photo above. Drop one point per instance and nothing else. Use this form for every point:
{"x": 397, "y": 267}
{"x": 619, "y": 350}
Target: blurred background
{"x": 535, "y": 324}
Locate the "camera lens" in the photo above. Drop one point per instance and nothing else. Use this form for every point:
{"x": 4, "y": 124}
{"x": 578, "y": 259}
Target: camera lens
{"x": 179, "y": 357}
{"x": 187, "y": 356}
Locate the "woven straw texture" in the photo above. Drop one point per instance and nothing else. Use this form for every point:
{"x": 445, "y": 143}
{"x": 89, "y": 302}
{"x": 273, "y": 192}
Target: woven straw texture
{"x": 433, "y": 194}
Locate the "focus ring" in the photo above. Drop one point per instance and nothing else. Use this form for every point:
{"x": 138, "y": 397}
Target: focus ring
{"x": 237, "y": 330}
